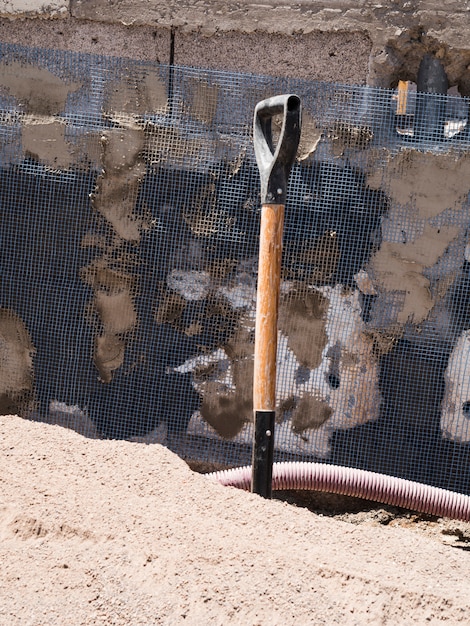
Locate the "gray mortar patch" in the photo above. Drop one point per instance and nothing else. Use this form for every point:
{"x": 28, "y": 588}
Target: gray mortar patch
{"x": 115, "y": 195}
{"x": 302, "y": 316}
{"x": 39, "y": 91}
{"x": 16, "y": 365}
{"x": 310, "y": 413}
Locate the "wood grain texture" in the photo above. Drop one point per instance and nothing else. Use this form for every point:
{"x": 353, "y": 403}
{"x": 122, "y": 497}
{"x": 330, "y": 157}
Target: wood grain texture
{"x": 267, "y": 304}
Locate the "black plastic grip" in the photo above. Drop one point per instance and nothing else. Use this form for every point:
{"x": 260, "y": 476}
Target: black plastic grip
{"x": 275, "y": 162}
{"x": 263, "y": 453}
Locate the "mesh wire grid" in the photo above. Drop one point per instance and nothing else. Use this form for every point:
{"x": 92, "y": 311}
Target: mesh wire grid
{"x": 130, "y": 218}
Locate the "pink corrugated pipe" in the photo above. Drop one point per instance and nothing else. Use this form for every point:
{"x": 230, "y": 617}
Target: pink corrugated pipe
{"x": 349, "y": 481}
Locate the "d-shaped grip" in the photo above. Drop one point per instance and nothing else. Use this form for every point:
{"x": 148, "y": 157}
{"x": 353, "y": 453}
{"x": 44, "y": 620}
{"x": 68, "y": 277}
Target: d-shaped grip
{"x": 275, "y": 162}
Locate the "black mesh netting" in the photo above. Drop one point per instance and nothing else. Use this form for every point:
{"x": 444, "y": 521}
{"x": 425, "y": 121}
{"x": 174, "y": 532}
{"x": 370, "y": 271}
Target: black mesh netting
{"x": 130, "y": 215}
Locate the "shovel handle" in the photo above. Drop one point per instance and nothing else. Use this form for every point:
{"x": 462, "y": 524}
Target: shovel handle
{"x": 274, "y": 165}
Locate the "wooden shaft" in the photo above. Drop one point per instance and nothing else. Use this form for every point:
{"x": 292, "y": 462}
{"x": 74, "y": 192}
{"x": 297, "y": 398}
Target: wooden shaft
{"x": 402, "y": 97}
{"x": 267, "y": 303}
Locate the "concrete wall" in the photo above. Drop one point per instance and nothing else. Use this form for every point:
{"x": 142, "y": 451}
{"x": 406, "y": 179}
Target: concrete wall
{"x": 352, "y": 41}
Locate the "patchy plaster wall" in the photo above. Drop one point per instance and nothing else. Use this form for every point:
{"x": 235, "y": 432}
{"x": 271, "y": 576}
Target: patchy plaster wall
{"x": 343, "y": 41}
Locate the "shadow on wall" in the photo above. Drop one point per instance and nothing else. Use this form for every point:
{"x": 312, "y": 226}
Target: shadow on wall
{"x": 401, "y": 57}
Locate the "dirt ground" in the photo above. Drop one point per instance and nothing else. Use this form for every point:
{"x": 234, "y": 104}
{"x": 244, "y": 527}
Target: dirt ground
{"x": 120, "y": 533}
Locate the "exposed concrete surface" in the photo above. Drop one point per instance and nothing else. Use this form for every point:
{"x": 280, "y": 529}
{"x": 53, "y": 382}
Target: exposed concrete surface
{"x": 443, "y": 23}
{"x": 351, "y": 41}
{"x": 341, "y": 57}
{"x": 145, "y": 43}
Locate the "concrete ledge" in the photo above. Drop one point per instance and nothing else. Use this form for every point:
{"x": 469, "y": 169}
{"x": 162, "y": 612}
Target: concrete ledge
{"x": 34, "y": 8}
{"x": 211, "y": 16}
{"x": 279, "y": 16}
{"x": 447, "y": 20}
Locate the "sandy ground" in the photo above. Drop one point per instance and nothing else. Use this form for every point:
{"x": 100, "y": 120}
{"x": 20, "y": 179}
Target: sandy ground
{"x": 113, "y": 532}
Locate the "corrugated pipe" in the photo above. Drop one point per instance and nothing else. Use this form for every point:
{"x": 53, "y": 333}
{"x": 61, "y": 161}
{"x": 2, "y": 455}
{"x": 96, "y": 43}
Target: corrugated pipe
{"x": 349, "y": 481}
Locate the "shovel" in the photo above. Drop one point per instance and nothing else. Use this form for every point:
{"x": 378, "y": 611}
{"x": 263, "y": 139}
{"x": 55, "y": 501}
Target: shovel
{"x": 274, "y": 164}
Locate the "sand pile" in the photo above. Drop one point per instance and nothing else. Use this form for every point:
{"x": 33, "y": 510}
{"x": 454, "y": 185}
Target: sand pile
{"x": 119, "y": 533}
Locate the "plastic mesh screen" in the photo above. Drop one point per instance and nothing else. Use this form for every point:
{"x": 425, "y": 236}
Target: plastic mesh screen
{"x": 130, "y": 216}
